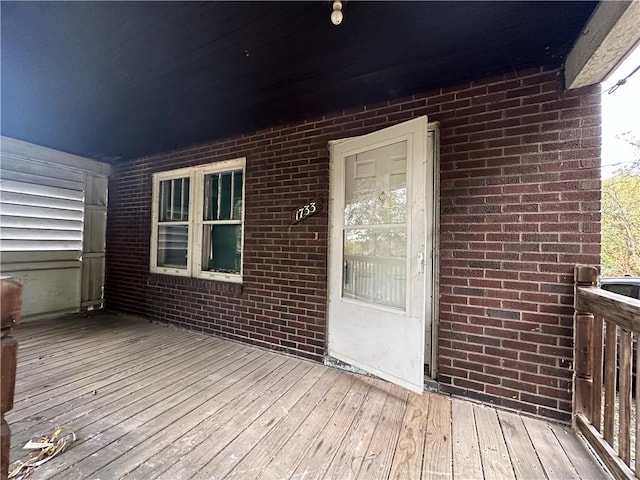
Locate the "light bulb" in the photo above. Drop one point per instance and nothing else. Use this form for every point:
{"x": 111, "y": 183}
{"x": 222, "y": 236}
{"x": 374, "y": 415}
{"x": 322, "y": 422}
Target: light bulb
{"x": 336, "y": 17}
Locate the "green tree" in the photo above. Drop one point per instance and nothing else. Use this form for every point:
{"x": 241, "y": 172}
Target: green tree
{"x": 621, "y": 218}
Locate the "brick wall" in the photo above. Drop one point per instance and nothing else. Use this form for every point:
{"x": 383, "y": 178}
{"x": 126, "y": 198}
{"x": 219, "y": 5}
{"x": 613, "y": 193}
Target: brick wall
{"x": 519, "y": 207}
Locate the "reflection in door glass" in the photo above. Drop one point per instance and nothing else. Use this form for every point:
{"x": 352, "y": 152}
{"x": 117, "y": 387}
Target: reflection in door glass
{"x": 375, "y": 267}
{"x": 375, "y": 226}
{"x": 376, "y": 186}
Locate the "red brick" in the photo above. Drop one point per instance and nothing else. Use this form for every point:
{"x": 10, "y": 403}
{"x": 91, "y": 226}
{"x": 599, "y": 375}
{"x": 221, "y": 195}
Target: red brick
{"x": 519, "y": 197}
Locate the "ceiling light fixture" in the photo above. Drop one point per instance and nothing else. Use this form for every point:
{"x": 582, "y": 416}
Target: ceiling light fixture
{"x": 336, "y": 15}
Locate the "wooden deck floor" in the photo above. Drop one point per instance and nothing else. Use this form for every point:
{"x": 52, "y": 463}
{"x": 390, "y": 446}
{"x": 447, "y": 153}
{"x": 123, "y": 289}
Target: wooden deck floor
{"x": 149, "y": 401}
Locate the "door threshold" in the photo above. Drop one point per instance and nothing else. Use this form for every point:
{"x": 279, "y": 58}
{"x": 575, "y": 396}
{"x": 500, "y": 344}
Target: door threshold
{"x": 430, "y": 384}
{"x": 340, "y": 365}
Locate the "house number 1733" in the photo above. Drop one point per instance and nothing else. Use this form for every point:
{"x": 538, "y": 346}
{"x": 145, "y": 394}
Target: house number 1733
{"x": 306, "y": 211}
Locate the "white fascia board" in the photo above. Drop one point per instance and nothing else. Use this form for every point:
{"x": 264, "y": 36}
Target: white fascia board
{"x": 609, "y": 36}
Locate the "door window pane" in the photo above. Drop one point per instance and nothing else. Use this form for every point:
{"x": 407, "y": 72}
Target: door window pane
{"x": 375, "y": 265}
{"x": 375, "y": 233}
{"x": 376, "y": 186}
{"x": 172, "y": 245}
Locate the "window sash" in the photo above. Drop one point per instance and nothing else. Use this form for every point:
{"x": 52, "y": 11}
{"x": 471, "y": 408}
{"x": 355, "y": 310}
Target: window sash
{"x": 197, "y": 217}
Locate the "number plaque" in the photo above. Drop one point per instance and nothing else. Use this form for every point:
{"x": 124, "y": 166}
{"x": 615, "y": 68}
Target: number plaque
{"x": 306, "y": 211}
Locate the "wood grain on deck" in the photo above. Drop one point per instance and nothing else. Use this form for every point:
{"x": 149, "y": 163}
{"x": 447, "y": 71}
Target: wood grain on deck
{"x": 148, "y": 401}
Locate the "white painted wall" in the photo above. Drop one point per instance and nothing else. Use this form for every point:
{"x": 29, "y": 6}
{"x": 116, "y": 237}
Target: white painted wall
{"x": 52, "y": 227}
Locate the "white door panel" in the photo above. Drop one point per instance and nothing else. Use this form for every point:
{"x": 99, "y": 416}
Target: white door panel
{"x": 379, "y": 256}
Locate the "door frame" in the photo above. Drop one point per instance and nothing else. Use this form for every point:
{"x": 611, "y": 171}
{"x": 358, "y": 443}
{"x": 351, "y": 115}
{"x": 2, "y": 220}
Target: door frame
{"x": 432, "y": 227}
{"x": 433, "y": 131}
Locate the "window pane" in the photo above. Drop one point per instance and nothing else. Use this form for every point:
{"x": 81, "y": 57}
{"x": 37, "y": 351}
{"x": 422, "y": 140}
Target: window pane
{"x": 211, "y": 196}
{"x": 174, "y": 200}
{"x": 237, "y": 195}
{"x": 185, "y": 200}
{"x": 172, "y": 245}
{"x": 221, "y": 248}
{"x": 375, "y": 266}
{"x": 225, "y": 197}
{"x": 165, "y": 200}
{"x": 376, "y": 186}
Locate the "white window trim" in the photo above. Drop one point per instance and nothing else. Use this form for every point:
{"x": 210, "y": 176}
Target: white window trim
{"x": 196, "y": 204}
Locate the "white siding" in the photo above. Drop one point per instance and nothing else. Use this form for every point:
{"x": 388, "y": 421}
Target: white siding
{"x": 52, "y": 227}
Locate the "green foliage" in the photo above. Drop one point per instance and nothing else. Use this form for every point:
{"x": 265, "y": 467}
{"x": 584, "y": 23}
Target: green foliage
{"x": 621, "y": 221}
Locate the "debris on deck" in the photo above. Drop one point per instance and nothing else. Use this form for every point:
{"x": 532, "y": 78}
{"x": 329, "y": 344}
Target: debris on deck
{"x": 44, "y": 449}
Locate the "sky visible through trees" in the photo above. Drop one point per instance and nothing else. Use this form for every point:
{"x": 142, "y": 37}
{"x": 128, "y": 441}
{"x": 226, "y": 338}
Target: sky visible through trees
{"x": 621, "y": 171}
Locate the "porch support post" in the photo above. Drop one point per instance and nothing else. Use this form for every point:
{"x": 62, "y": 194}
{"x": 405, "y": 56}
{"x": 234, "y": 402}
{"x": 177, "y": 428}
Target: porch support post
{"x": 10, "y": 308}
{"x": 584, "y": 276}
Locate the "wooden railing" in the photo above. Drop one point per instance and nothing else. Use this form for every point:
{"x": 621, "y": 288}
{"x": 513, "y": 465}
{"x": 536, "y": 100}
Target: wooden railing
{"x": 606, "y": 328}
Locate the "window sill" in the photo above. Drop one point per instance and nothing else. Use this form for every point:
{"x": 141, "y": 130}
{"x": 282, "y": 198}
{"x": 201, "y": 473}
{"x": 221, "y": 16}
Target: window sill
{"x": 221, "y": 277}
{"x": 192, "y": 283}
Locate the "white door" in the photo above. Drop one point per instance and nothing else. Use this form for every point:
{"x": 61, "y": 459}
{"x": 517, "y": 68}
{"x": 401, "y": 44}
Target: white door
{"x": 380, "y": 267}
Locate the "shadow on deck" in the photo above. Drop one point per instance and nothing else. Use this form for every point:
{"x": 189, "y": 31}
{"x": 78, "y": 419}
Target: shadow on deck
{"x": 148, "y": 401}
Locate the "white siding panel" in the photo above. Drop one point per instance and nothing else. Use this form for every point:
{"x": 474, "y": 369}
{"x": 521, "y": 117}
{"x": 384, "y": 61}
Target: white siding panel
{"x": 41, "y": 212}
{"x": 51, "y": 291}
{"x": 95, "y": 223}
{"x": 36, "y": 258}
{"x": 11, "y": 198}
{"x": 93, "y": 248}
{"x": 92, "y": 279}
{"x": 45, "y": 173}
{"x": 30, "y": 179}
{"x": 96, "y": 190}
{"x": 54, "y": 265}
{"x": 41, "y": 234}
{"x": 42, "y": 190}
{"x": 40, "y": 245}
{"x": 8, "y": 221}
{"x": 48, "y": 200}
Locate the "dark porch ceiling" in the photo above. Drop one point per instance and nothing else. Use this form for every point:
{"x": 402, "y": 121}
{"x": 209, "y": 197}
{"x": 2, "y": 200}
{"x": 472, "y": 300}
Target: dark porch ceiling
{"x": 118, "y": 80}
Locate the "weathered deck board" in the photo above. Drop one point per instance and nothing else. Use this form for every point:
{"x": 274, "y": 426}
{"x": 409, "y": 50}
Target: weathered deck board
{"x": 323, "y": 449}
{"x": 524, "y": 459}
{"x": 94, "y": 364}
{"x": 149, "y": 401}
{"x": 142, "y": 422}
{"x": 379, "y": 457}
{"x": 229, "y": 423}
{"x": 269, "y": 418}
{"x": 554, "y": 460}
{"x": 467, "y": 462}
{"x": 286, "y": 457}
{"x": 407, "y": 461}
{"x": 586, "y": 467}
{"x": 159, "y": 371}
{"x": 353, "y": 449}
{"x": 263, "y": 452}
{"x": 437, "y": 462}
{"x": 493, "y": 450}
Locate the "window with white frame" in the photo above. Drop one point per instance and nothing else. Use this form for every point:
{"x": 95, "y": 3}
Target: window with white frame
{"x": 197, "y": 226}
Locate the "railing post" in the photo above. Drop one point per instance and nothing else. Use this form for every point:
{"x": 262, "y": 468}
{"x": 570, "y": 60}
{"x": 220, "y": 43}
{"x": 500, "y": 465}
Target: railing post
{"x": 10, "y": 308}
{"x": 584, "y": 276}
